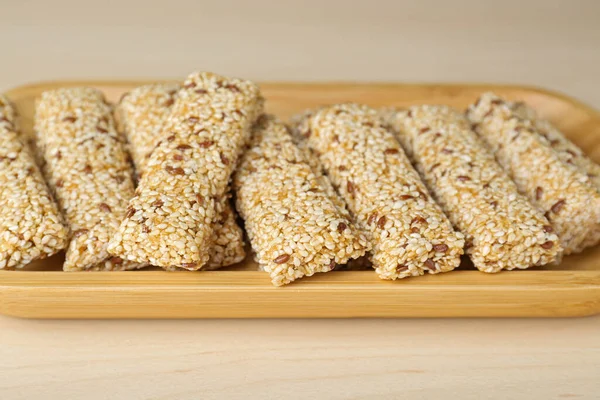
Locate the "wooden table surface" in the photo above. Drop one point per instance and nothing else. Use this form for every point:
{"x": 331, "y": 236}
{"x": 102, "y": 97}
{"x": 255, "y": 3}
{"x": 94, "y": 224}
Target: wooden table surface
{"x": 554, "y": 44}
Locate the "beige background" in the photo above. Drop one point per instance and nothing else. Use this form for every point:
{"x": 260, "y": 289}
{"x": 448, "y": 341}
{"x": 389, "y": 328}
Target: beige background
{"x": 555, "y": 44}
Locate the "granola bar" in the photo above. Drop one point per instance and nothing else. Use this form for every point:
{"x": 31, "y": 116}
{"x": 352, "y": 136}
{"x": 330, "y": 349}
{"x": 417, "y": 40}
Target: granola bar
{"x": 563, "y": 192}
{"x": 88, "y": 170}
{"x": 408, "y": 231}
{"x": 171, "y": 220}
{"x": 31, "y": 227}
{"x": 293, "y": 225}
{"x": 141, "y": 114}
{"x": 502, "y": 229}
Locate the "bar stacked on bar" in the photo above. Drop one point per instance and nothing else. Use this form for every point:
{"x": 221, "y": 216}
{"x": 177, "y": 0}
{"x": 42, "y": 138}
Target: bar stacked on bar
{"x": 503, "y": 230}
{"x": 31, "y": 227}
{"x": 170, "y": 223}
{"x": 409, "y": 233}
{"x": 559, "y": 189}
{"x": 88, "y": 169}
{"x": 294, "y": 227}
{"x": 568, "y": 151}
{"x": 141, "y": 115}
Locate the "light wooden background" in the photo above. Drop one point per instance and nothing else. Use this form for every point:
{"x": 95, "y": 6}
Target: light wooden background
{"x": 555, "y": 44}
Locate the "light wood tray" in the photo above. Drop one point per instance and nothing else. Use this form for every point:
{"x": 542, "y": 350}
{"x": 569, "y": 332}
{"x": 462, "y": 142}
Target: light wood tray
{"x": 570, "y": 289}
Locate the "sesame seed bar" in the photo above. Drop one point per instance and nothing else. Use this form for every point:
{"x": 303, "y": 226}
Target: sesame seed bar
{"x": 560, "y": 190}
{"x": 31, "y": 227}
{"x": 409, "y": 233}
{"x": 358, "y": 264}
{"x": 568, "y": 151}
{"x": 293, "y": 225}
{"x": 141, "y": 114}
{"x": 503, "y": 230}
{"x": 88, "y": 170}
{"x": 313, "y": 160}
{"x": 171, "y": 220}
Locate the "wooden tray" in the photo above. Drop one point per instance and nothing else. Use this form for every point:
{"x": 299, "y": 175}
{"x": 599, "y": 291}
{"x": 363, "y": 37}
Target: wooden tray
{"x": 571, "y": 289}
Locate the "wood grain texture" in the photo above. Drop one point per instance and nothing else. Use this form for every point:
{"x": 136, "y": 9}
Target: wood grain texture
{"x": 300, "y": 359}
{"x": 241, "y": 291}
